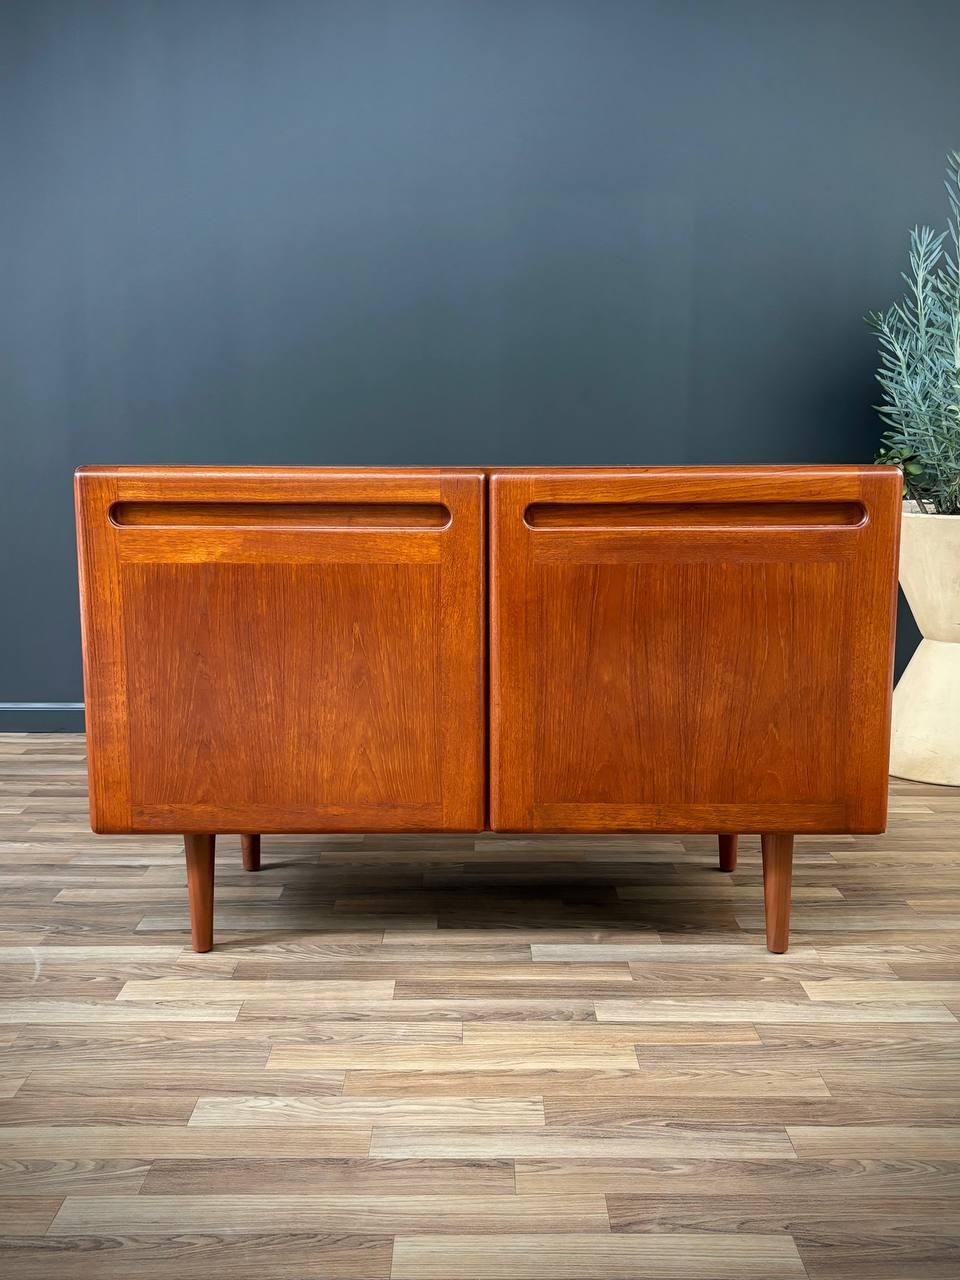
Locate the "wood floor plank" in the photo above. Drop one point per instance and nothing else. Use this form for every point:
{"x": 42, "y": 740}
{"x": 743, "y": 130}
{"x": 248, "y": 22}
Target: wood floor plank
{"x": 876, "y": 1141}
{"x": 51, "y": 1012}
{"x": 487, "y": 1084}
{"x": 720, "y": 1082}
{"x": 884, "y": 1256}
{"x": 300, "y": 960}
{"x": 939, "y": 1080}
{"x": 758, "y": 1011}
{"x": 448, "y": 1057}
{"x": 662, "y": 953}
{"x": 938, "y": 1039}
{"x": 926, "y": 970}
{"x": 67, "y": 966}
{"x": 75, "y": 1109}
{"x": 530, "y": 1034}
{"x": 897, "y": 990}
{"x": 378, "y": 1213}
{"x": 286, "y": 1175}
{"x": 50, "y": 987}
{"x": 154, "y": 894}
{"x": 245, "y": 1042}
{"x": 841, "y": 919}
{"x": 358, "y": 1112}
{"x": 457, "y": 1008}
{"x": 813, "y": 1180}
{"x": 592, "y": 1257}
{"x": 296, "y": 982}
{"x": 183, "y": 1081}
{"x": 29, "y": 1215}
{"x": 864, "y": 1237}
{"x": 229, "y": 990}
{"x": 59, "y": 1178}
{"x": 739, "y": 893}
{"x": 152, "y": 1142}
{"x": 860, "y": 1218}
{"x": 624, "y": 1113}
{"x": 99, "y": 954}
{"x": 188, "y": 1256}
{"x": 240, "y": 919}
{"x": 666, "y": 1141}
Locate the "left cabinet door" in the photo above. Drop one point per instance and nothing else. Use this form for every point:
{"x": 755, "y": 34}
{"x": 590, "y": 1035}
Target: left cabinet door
{"x": 283, "y": 649}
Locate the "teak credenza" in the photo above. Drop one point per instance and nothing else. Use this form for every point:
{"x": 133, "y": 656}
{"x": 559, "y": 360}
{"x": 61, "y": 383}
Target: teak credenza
{"x": 536, "y": 649}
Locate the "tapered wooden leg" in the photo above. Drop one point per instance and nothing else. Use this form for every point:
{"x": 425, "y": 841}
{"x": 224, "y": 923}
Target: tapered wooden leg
{"x": 199, "y": 851}
{"x": 728, "y": 852}
{"x": 777, "y": 850}
{"x": 251, "y": 852}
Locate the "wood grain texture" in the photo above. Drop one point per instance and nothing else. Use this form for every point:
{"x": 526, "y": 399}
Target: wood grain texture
{"x": 655, "y": 1140}
{"x": 200, "y": 853}
{"x": 355, "y": 1113}
{"x": 632, "y": 1087}
{"x": 777, "y": 852}
{"x": 25, "y": 1215}
{"x": 621, "y": 647}
{"x": 728, "y": 852}
{"x": 250, "y": 845}
{"x": 255, "y": 1255}
{"x": 380, "y": 1213}
{"x": 759, "y": 1011}
{"x": 283, "y": 1175}
{"x": 215, "y": 700}
{"x": 545, "y": 1257}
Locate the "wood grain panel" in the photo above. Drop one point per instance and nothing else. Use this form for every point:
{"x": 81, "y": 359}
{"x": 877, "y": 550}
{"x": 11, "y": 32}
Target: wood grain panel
{"x": 632, "y": 611}
{"x": 283, "y": 650}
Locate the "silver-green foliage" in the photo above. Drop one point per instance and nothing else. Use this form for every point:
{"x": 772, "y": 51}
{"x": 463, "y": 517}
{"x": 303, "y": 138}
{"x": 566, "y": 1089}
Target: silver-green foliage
{"x": 920, "y": 364}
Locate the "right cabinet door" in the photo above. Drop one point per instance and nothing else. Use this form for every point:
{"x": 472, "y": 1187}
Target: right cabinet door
{"x": 692, "y": 649}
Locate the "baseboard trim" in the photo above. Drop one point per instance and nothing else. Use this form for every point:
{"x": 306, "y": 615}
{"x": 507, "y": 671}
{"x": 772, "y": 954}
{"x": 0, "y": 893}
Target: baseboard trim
{"x": 41, "y": 717}
{"x": 41, "y": 706}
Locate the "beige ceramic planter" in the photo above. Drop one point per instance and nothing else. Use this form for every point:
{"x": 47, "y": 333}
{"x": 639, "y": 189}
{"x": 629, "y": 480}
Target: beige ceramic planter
{"x": 925, "y": 744}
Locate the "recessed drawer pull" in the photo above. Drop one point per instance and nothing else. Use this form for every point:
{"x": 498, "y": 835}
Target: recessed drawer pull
{"x": 694, "y": 515}
{"x": 280, "y": 515}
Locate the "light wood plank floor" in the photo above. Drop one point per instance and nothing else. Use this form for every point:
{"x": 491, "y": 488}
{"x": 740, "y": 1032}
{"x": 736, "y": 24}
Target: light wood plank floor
{"x": 456, "y": 1057}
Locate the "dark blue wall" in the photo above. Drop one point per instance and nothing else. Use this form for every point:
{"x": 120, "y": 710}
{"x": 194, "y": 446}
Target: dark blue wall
{"x": 495, "y": 231}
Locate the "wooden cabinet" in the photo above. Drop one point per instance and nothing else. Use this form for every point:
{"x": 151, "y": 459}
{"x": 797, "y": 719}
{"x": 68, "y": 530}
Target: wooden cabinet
{"x": 670, "y": 650}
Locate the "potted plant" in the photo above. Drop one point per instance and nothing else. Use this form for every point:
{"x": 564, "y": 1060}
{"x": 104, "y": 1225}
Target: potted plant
{"x": 920, "y": 376}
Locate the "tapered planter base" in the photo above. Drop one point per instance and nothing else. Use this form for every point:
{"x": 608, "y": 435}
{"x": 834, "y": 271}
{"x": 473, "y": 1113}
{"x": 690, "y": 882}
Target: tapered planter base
{"x": 926, "y": 716}
{"x": 925, "y": 734}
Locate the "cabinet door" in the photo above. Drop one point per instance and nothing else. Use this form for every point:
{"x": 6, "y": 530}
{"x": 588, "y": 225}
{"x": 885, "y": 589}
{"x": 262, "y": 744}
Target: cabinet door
{"x": 283, "y": 650}
{"x": 692, "y": 650}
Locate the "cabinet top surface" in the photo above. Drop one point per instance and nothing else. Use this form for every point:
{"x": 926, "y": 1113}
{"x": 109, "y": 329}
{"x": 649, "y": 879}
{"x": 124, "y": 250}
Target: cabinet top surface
{"x": 528, "y": 470}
